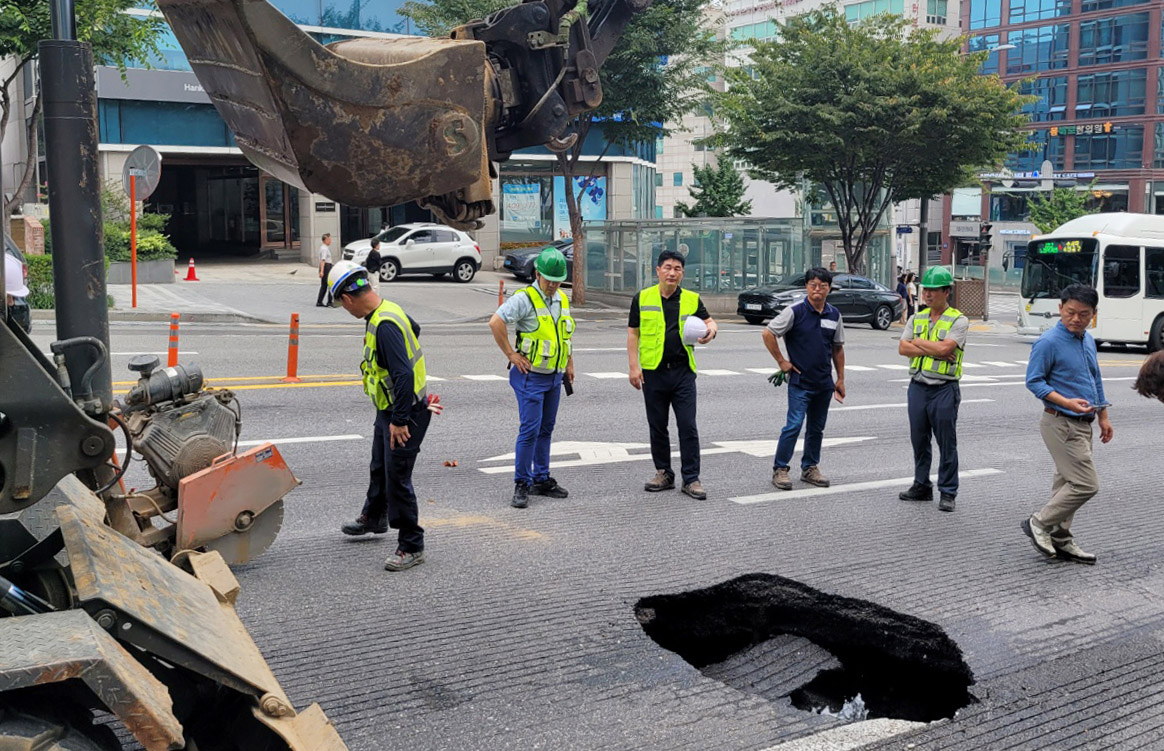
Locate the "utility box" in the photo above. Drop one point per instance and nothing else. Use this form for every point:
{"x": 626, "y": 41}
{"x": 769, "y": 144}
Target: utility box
{"x": 970, "y": 297}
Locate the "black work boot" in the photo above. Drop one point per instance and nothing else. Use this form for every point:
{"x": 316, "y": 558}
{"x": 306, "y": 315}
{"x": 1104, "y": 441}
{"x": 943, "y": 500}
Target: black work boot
{"x": 548, "y": 487}
{"x": 520, "y": 495}
{"x": 947, "y": 502}
{"x": 361, "y": 526}
{"x": 917, "y": 492}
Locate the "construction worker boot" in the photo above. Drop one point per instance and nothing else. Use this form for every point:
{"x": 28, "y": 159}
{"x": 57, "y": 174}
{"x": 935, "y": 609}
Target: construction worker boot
{"x": 813, "y": 476}
{"x": 400, "y": 560}
{"x": 548, "y": 487}
{"x": 520, "y": 495}
{"x": 695, "y": 490}
{"x": 947, "y": 502}
{"x": 781, "y": 479}
{"x": 917, "y": 492}
{"x": 362, "y": 526}
{"x": 663, "y": 480}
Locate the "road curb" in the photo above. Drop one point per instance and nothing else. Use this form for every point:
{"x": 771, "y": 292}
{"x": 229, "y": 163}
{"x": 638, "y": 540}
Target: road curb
{"x": 154, "y": 317}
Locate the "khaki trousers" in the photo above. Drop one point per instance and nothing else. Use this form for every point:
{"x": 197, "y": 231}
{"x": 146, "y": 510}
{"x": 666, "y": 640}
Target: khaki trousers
{"x": 1075, "y": 482}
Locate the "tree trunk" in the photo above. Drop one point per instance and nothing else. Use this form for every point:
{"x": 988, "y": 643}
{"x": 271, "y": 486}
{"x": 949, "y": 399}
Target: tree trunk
{"x": 29, "y": 163}
{"x": 578, "y": 293}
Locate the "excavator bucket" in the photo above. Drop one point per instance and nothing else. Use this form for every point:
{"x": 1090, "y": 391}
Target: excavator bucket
{"x": 367, "y": 122}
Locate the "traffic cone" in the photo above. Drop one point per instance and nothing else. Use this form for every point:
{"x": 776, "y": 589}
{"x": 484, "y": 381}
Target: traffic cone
{"x": 190, "y": 275}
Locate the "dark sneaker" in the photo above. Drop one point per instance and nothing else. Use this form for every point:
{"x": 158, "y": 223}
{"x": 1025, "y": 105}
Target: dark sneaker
{"x": 1040, "y": 536}
{"x": 813, "y": 476}
{"x": 1069, "y": 551}
{"x": 947, "y": 502}
{"x": 781, "y": 479}
{"x": 695, "y": 490}
{"x": 663, "y": 480}
{"x": 400, "y": 560}
{"x": 917, "y": 492}
{"x": 548, "y": 487}
{"x": 361, "y": 526}
{"x": 520, "y": 495}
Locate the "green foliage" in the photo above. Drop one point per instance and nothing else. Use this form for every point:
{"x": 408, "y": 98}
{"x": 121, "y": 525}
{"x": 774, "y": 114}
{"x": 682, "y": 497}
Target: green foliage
{"x": 1051, "y": 209}
{"x": 40, "y": 282}
{"x": 152, "y": 242}
{"x": 48, "y": 236}
{"x": 439, "y": 17}
{"x": 116, "y": 36}
{"x": 874, "y": 112}
{"x": 718, "y": 191}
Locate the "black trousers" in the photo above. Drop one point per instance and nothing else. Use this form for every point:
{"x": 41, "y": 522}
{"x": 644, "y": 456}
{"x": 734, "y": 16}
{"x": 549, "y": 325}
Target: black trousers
{"x": 323, "y": 286}
{"x": 666, "y": 389}
{"x": 933, "y": 410}
{"x": 390, "y": 486}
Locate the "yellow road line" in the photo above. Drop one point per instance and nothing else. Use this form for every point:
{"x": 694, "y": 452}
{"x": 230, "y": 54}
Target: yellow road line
{"x": 211, "y": 381}
{"x": 253, "y": 386}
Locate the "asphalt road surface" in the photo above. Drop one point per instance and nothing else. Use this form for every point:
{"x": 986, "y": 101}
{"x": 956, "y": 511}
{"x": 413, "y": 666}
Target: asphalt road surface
{"x": 519, "y": 630}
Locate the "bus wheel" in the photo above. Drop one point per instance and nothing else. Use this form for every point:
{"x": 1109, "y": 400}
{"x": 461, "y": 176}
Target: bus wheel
{"x": 1156, "y": 340}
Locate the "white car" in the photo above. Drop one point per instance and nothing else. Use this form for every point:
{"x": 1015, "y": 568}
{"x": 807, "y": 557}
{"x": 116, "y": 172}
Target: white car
{"x": 423, "y": 248}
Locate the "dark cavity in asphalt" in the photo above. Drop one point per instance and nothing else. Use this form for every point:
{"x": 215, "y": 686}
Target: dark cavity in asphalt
{"x": 775, "y": 637}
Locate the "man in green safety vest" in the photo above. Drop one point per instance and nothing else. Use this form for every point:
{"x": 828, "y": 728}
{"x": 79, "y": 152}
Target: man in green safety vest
{"x": 934, "y": 340}
{"x": 540, "y": 361}
{"x": 662, "y": 366}
{"x": 394, "y": 379}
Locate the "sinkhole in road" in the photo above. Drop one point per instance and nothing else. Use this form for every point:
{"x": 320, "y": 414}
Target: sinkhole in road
{"x": 778, "y": 638}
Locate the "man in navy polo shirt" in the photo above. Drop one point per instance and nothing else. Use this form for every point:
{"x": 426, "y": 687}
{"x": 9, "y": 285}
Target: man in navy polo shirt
{"x": 815, "y": 336}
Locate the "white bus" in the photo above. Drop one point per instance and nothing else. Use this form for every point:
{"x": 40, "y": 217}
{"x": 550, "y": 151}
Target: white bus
{"x": 1121, "y": 255}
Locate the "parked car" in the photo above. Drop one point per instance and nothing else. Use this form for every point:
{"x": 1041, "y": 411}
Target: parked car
{"x": 423, "y": 248}
{"x": 860, "y": 300}
{"x": 520, "y": 262}
{"x": 21, "y": 313}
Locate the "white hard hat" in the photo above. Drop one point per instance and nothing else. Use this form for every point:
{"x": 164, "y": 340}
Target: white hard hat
{"x": 14, "y": 277}
{"x": 694, "y": 329}
{"x": 345, "y": 276}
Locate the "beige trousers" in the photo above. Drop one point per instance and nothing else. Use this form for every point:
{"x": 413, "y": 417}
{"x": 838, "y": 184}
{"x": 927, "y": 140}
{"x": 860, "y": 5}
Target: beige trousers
{"x": 1075, "y": 482}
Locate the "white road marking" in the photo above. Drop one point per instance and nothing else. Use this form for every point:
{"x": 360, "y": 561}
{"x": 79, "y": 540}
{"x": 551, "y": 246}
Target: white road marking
{"x": 902, "y": 482}
{"x": 858, "y": 367}
{"x": 159, "y": 354}
{"x": 435, "y": 378}
{"x": 610, "y": 375}
{"x": 763, "y": 371}
{"x": 714, "y": 372}
{"x": 888, "y": 406}
{"x": 599, "y": 349}
{"x": 997, "y": 363}
{"x": 894, "y": 367}
{"x": 304, "y": 439}
{"x": 486, "y": 377}
{"x": 972, "y": 365}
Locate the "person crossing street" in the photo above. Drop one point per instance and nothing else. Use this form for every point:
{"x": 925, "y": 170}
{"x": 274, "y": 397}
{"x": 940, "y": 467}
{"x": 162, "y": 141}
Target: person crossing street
{"x": 395, "y": 380}
{"x": 815, "y": 336}
{"x": 662, "y": 366}
{"x": 934, "y": 339}
{"x": 540, "y": 361}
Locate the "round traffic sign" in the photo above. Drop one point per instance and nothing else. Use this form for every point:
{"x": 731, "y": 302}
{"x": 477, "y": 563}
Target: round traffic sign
{"x": 145, "y": 165}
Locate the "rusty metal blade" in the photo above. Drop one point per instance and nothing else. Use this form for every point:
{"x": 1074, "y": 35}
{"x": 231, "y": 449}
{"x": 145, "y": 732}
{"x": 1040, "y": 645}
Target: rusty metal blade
{"x": 240, "y": 547}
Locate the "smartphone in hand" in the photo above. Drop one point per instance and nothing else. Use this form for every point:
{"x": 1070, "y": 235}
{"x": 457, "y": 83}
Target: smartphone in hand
{"x": 569, "y": 388}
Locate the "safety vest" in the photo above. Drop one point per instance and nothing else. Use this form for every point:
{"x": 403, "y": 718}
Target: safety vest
{"x": 548, "y": 346}
{"x": 377, "y": 380}
{"x": 653, "y": 328}
{"x": 943, "y": 369}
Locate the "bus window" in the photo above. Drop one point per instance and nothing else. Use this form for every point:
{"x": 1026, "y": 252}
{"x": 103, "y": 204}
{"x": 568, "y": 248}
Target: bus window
{"x": 1154, "y": 265}
{"x": 1051, "y": 265}
{"x": 1121, "y": 271}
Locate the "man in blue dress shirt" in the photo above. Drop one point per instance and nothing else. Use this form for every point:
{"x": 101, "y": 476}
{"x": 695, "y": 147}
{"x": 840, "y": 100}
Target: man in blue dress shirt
{"x": 1064, "y": 373}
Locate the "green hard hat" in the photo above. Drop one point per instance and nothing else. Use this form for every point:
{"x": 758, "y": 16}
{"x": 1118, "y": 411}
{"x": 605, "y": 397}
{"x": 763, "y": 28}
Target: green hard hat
{"x": 937, "y": 277}
{"x": 551, "y": 264}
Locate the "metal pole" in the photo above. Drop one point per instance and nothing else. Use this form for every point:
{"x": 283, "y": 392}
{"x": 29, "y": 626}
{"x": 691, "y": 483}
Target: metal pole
{"x": 64, "y": 20}
{"x": 923, "y": 229}
{"x": 70, "y": 143}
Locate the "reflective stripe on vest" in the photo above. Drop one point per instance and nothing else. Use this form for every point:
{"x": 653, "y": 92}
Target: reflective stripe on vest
{"x": 653, "y": 327}
{"x": 943, "y": 369}
{"x": 377, "y": 380}
{"x": 548, "y": 346}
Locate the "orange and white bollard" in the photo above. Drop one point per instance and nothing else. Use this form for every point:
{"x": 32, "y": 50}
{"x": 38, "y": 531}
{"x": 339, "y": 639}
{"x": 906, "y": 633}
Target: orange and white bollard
{"x": 500, "y": 292}
{"x": 293, "y": 352}
{"x": 172, "y": 355}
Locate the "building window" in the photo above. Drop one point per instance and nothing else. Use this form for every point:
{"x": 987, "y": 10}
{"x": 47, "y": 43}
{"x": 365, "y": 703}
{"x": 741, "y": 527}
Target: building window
{"x": 982, "y": 44}
{"x": 1044, "y": 148}
{"x": 936, "y": 11}
{"x": 1040, "y": 48}
{"x": 658, "y": 145}
{"x": 1052, "y": 102}
{"x": 985, "y": 13}
{"x": 1159, "y": 160}
{"x": 1090, "y": 5}
{"x": 1008, "y": 207}
{"x": 1113, "y": 40}
{"x": 1160, "y": 91}
{"x": 677, "y": 179}
{"x": 1120, "y": 150}
{"x": 658, "y": 212}
{"x": 869, "y": 8}
{"x": 1022, "y": 11}
{"x": 764, "y": 31}
{"x": 658, "y": 179}
{"x": 1115, "y": 94}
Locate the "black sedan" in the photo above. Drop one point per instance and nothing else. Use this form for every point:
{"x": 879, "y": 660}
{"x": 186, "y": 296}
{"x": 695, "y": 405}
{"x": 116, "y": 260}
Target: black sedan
{"x": 860, "y": 300}
{"x": 520, "y": 262}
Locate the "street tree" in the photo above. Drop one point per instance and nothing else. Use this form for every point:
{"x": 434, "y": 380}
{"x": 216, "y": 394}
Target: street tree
{"x": 874, "y": 113}
{"x": 117, "y": 37}
{"x": 659, "y": 71}
{"x": 718, "y": 190}
{"x": 1052, "y": 208}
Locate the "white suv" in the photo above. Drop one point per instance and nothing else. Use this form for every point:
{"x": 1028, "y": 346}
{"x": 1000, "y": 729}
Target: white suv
{"x": 423, "y": 248}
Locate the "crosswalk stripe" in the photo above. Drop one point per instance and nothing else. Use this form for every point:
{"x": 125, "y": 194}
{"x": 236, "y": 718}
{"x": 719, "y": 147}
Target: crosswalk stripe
{"x": 894, "y": 367}
{"x": 607, "y": 375}
{"x": 903, "y": 482}
{"x": 998, "y": 363}
{"x": 435, "y": 378}
{"x": 762, "y": 371}
{"x": 971, "y": 365}
{"x": 486, "y": 377}
{"x": 858, "y": 367}
{"x": 715, "y": 372}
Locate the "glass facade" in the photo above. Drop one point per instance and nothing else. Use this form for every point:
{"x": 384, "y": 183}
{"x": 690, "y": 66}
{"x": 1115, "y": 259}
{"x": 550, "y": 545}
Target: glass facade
{"x": 1052, "y": 102}
{"x": 1037, "y": 49}
{"x": 1115, "y": 39}
{"x": 985, "y": 13}
{"x": 764, "y": 31}
{"x": 169, "y": 123}
{"x": 1044, "y": 147}
{"x": 1022, "y": 11}
{"x": 1093, "y": 5}
{"x": 1112, "y": 94}
{"x": 1119, "y": 150}
{"x": 857, "y": 11}
{"x": 986, "y": 42}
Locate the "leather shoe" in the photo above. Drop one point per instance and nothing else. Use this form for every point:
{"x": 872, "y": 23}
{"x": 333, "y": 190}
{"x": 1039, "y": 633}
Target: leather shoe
{"x": 520, "y": 495}
{"x": 947, "y": 502}
{"x": 695, "y": 490}
{"x": 1040, "y": 536}
{"x": 917, "y": 492}
{"x": 1069, "y": 551}
{"x": 548, "y": 487}
{"x": 361, "y": 526}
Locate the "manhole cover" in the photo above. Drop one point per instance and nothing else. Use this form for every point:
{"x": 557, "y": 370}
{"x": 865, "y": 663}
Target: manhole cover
{"x": 776, "y": 638}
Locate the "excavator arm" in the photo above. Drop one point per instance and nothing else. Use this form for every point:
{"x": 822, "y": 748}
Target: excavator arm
{"x": 375, "y": 122}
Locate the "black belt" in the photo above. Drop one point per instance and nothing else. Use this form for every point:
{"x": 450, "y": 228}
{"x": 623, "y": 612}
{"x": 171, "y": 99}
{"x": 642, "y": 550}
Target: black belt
{"x": 1079, "y": 418}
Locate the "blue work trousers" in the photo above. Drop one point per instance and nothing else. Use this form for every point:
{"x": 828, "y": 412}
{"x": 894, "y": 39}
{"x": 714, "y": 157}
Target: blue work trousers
{"x": 803, "y": 404}
{"x": 933, "y": 411}
{"x": 538, "y": 395}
